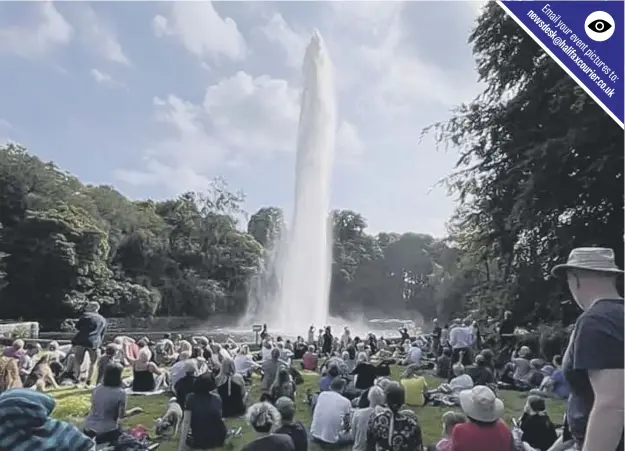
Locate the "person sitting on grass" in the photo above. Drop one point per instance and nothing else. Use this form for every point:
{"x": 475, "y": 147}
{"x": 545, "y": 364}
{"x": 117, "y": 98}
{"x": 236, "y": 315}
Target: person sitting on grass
{"x": 443, "y": 364}
{"x": 489, "y": 359}
{"x": 365, "y": 372}
{"x": 178, "y": 370}
{"x": 26, "y": 424}
{"x": 244, "y": 363}
{"x": 144, "y": 372}
{"x": 265, "y": 419}
{"x": 202, "y": 426}
{"x": 41, "y": 375}
{"x": 535, "y": 377}
{"x": 538, "y": 430}
{"x": 290, "y": 427}
{"x": 415, "y": 386}
{"x": 15, "y": 351}
{"x": 461, "y": 381}
{"x": 283, "y": 386}
{"x": 57, "y": 357}
{"x": 522, "y": 368}
{"x": 413, "y": 357}
{"x": 450, "y": 419}
{"x": 27, "y": 361}
{"x": 9, "y": 374}
{"x": 554, "y": 386}
{"x": 310, "y": 359}
{"x": 328, "y": 414}
{"x": 480, "y": 373}
{"x": 184, "y": 385}
{"x": 164, "y": 351}
{"x": 270, "y": 370}
{"x": 110, "y": 356}
{"x": 484, "y": 431}
{"x": 231, "y": 389}
{"x": 108, "y": 406}
{"x": 392, "y": 429}
{"x": 331, "y": 374}
{"x": 368, "y": 406}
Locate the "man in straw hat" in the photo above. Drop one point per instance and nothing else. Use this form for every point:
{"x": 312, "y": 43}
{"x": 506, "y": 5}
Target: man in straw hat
{"x": 593, "y": 362}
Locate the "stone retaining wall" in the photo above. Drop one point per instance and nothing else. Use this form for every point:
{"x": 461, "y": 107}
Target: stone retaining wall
{"x": 20, "y": 330}
{"x": 165, "y": 323}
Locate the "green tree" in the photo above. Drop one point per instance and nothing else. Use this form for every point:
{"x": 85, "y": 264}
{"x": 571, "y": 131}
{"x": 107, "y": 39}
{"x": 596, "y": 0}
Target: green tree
{"x": 266, "y": 225}
{"x": 540, "y": 171}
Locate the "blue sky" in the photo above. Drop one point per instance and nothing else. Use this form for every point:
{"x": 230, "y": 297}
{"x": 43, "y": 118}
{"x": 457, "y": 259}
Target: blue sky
{"x": 157, "y": 98}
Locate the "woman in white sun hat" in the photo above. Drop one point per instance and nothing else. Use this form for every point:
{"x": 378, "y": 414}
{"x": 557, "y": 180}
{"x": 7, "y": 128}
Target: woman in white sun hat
{"x": 484, "y": 431}
{"x": 593, "y": 362}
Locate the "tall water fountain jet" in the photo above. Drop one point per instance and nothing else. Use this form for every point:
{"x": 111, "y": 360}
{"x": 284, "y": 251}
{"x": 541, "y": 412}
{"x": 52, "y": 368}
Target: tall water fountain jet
{"x": 304, "y": 297}
{"x": 304, "y": 260}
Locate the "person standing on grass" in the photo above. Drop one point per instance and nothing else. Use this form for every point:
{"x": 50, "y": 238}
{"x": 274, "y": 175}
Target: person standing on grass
{"x": 436, "y": 337}
{"x": 593, "y": 363}
{"x": 88, "y": 340}
{"x": 506, "y": 331}
{"x": 461, "y": 339}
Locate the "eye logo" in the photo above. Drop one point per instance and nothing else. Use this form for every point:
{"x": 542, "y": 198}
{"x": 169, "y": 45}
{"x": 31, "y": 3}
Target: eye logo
{"x": 599, "y": 26}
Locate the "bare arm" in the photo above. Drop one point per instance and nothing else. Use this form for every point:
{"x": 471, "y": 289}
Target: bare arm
{"x": 605, "y": 423}
{"x": 127, "y": 355}
{"x": 155, "y": 369}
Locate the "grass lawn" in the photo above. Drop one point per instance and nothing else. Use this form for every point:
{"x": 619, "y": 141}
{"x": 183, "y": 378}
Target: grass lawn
{"x": 73, "y": 405}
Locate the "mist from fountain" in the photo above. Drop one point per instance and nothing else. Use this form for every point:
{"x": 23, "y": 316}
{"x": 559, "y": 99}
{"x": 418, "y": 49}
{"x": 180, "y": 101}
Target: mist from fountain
{"x": 293, "y": 291}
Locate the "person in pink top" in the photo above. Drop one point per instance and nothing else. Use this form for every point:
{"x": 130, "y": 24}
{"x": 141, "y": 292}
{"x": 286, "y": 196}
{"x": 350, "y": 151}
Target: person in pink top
{"x": 310, "y": 359}
{"x": 16, "y": 350}
{"x": 484, "y": 431}
{"x": 450, "y": 419}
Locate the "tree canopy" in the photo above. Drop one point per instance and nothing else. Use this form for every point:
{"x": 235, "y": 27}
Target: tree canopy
{"x": 65, "y": 244}
{"x": 540, "y": 172}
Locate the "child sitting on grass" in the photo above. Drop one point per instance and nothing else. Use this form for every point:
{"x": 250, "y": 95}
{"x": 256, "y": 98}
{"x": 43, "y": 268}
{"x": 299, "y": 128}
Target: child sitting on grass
{"x": 538, "y": 430}
{"x": 450, "y": 419}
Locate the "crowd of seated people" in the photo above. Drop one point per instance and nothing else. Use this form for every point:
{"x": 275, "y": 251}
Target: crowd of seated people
{"x": 357, "y": 403}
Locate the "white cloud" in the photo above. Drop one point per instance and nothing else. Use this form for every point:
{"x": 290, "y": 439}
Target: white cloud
{"x": 180, "y": 161}
{"x": 241, "y": 118}
{"x": 369, "y": 17}
{"x": 105, "y": 79}
{"x": 256, "y": 115}
{"x": 100, "y": 37}
{"x": 277, "y": 31}
{"x": 50, "y": 31}
{"x": 202, "y": 30}
{"x": 399, "y": 80}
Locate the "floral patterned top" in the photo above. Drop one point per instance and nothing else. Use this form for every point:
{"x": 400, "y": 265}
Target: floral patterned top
{"x": 399, "y": 432}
